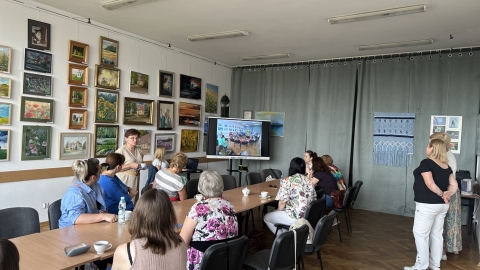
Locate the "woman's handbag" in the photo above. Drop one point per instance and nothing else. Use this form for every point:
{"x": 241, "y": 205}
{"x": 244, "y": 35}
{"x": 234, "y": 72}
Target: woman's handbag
{"x": 299, "y": 223}
{"x": 337, "y": 198}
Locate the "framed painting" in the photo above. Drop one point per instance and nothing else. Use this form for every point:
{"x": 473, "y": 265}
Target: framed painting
{"x": 106, "y": 106}
{"x": 77, "y": 119}
{"x": 109, "y": 51}
{"x": 5, "y": 144}
{"x": 106, "y": 140}
{"x": 190, "y": 87}
{"x": 78, "y": 52}
{"x": 166, "y": 83}
{"x": 165, "y": 140}
{"x": 107, "y": 77}
{"x": 137, "y": 111}
{"x": 189, "y": 140}
{"x": 37, "y": 61}
{"x": 75, "y": 145}
{"x": 211, "y": 98}
{"x": 36, "y": 142}
{"x": 36, "y": 84}
{"x": 77, "y": 96}
{"x": 38, "y": 35}
{"x": 165, "y": 115}
{"x": 189, "y": 114}
{"x": 5, "y": 87}
{"x": 247, "y": 114}
{"x": 144, "y": 141}
{"x": 36, "y": 109}
{"x": 5, "y": 59}
{"x": 277, "y": 119}
{"x": 5, "y": 113}
{"x": 138, "y": 82}
{"x": 77, "y": 74}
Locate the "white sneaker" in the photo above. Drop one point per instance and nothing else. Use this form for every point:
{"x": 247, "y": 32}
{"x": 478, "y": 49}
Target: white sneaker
{"x": 411, "y": 268}
{"x": 433, "y": 268}
{"x": 444, "y": 257}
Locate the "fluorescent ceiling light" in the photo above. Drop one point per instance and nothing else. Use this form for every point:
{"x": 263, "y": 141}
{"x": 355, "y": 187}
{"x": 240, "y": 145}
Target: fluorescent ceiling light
{"x": 395, "y": 44}
{"x": 111, "y": 5}
{"x": 264, "y": 57}
{"x": 377, "y": 14}
{"x": 227, "y": 34}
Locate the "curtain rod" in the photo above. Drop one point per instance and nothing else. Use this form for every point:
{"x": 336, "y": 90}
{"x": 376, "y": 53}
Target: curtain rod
{"x": 158, "y": 44}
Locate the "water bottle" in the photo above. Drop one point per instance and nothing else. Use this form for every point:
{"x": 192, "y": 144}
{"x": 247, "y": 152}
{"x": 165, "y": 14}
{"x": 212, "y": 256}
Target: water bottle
{"x": 121, "y": 211}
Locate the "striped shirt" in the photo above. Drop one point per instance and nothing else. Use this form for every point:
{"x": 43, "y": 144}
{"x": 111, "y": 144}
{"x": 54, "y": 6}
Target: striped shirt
{"x": 168, "y": 182}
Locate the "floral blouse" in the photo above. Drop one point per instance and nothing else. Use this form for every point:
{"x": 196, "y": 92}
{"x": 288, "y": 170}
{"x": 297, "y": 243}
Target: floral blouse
{"x": 296, "y": 191}
{"x": 216, "y": 220}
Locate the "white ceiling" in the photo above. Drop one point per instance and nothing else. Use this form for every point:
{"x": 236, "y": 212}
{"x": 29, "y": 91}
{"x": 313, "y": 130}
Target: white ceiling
{"x": 280, "y": 26}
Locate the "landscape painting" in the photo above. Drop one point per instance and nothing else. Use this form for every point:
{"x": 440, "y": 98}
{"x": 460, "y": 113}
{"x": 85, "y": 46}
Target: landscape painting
{"x": 78, "y": 119}
{"x": 106, "y": 140}
{"x": 166, "y": 83}
{"x": 78, "y": 52}
{"x": 138, "y": 111}
{"x": 36, "y": 109}
{"x": 38, "y": 35}
{"x": 77, "y": 96}
{"x": 107, "y": 77}
{"x": 189, "y": 114}
{"x": 36, "y": 84}
{"x": 5, "y": 144}
{"x": 138, "y": 82}
{"x": 106, "y": 106}
{"x": 165, "y": 140}
{"x": 75, "y": 145}
{"x": 36, "y": 142}
{"x": 190, "y": 87}
{"x": 211, "y": 98}
{"x": 144, "y": 141}
{"x": 5, "y": 59}
{"x": 165, "y": 115}
{"x": 77, "y": 74}
{"x": 108, "y": 51}
{"x": 38, "y": 61}
{"x": 277, "y": 120}
{"x": 5, "y": 113}
{"x": 189, "y": 140}
{"x": 5, "y": 87}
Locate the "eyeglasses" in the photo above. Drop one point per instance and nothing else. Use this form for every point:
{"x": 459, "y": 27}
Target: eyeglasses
{"x": 134, "y": 138}
{"x": 273, "y": 186}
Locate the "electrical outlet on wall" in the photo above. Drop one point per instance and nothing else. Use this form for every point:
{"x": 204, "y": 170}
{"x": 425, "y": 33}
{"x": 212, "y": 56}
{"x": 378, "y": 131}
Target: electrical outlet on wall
{"x": 46, "y": 205}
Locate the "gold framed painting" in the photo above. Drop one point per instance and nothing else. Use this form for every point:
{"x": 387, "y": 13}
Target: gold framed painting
{"x": 106, "y": 106}
{"x": 5, "y": 87}
{"x": 78, "y": 52}
{"x": 138, "y": 111}
{"x": 77, "y": 74}
{"x": 77, "y": 119}
{"x": 189, "y": 140}
{"x": 109, "y": 51}
{"x": 5, "y": 58}
{"x": 77, "y": 96}
{"x": 107, "y": 77}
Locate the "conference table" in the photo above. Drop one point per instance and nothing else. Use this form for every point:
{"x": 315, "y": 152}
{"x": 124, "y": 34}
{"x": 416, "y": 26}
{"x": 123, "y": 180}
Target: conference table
{"x": 45, "y": 250}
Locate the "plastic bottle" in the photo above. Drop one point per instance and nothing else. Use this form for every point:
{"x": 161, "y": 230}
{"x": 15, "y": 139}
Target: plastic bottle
{"x": 121, "y": 211}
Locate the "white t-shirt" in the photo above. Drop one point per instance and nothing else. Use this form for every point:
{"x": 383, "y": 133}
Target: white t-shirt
{"x": 162, "y": 164}
{"x": 452, "y": 162}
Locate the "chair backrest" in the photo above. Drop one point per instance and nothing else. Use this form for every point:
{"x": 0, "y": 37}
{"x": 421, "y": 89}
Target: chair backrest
{"x": 18, "y": 221}
{"x": 282, "y": 254}
{"x": 315, "y": 210}
{"x": 358, "y": 185}
{"x": 54, "y": 214}
{"x": 227, "y": 255}
{"x": 320, "y": 192}
{"x": 229, "y": 182}
{"x": 276, "y": 174}
{"x": 146, "y": 188}
{"x": 254, "y": 178}
{"x": 322, "y": 230}
{"x": 192, "y": 188}
{"x": 349, "y": 194}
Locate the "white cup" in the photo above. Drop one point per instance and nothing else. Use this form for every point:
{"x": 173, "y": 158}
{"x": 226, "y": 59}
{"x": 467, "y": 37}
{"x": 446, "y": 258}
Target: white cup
{"x": 128, "y": 215}
{"x": 143, "y": 165}
{"x": 102, "y": 246}
{"x": 199, "y": 197}
{"x": 264, "y": 194}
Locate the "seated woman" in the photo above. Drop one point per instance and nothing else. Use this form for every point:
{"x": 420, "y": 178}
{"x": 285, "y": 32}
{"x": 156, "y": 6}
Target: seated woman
{"x": 222, "y": 141}
{"x": 168, "y": 180}
{"x": 307, "y": 157}
{"x": 155, "y": 244}
{"x": 9, "y": 256}
{"x": 295, "y": 193}
{"x": 112, "y": 186}
{"x": 210, "y": 220}
{"x": 322, "y": 178}
{"x": 335, "y": 172}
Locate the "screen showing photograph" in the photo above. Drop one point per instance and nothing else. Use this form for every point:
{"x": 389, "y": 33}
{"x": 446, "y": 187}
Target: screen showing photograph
{"x": 239, "y": 138}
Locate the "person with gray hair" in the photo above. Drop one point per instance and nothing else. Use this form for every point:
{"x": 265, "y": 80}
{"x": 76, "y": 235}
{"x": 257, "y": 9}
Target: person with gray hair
{"x": 210, "y": 221}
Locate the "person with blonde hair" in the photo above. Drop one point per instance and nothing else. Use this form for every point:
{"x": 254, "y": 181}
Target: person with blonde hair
{"x": 168, "y": 180}
{"x": 159, "y": 162}
{"x": 433, "y": 187}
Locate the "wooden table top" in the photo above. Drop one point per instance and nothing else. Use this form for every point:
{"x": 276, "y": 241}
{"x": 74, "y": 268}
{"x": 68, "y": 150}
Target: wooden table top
{"x": 45, "y": 250}
{"x": 470, "y": 196}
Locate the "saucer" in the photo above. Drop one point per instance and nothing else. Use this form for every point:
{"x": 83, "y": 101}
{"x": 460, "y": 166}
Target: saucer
{"x": 268, "y": 197}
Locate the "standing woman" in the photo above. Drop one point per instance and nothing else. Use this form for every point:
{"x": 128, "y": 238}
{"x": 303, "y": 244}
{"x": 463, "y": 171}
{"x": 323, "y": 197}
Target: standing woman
{"x": 307, "y": 157}
{"x": 130, "y": 174}
{"x": 433, "y": 187}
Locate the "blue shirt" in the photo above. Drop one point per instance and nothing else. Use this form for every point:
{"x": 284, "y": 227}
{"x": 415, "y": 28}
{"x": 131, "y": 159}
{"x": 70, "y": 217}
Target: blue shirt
{"x": 80, "y": 199}
{"x": 114, "y": 188}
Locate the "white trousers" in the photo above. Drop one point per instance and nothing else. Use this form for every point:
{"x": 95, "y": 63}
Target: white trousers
{"x": 277, "y": 217}
{"x": 428, "y": 232}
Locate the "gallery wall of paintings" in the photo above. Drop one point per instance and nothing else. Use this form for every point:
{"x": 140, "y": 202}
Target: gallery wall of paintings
{"x": 71, "y": 89}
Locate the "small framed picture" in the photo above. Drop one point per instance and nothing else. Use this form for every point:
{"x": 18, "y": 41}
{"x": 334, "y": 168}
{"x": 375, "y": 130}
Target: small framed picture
{"x": 106, "y": 140}
{"x": 75, "y": 145}
{"x": 138, "y": 82}
{"x": 109, "y": 51}
{"x": 165, "y": 140}
{"x": 36, "y": 142}
{"x": 166, "y": 83}
{"x": 211, "y": 98}
{"x": 38, "y": 35}
{"x": 107, "y": 77}
{"x": 36, "y": 109}
{"x": 5, "y": 59}
{"x": 165, "y": 115}
{"x": 37, "y": 61}
{"x": 77, "y": 74}
{"x": 5, "y": 114}
{"x": 106, "y": 106}
{"x": 5, "y": 144}
{"x": 77, "y": 119}
{"x": 247, "y": 114}
{"x": 78, "y": 52}
{"x": 77, "y": 96}
{"x": 36, "y": 84}
{"x": 189, "y": 114}
{"x": 137, "y": 111}
{"x": 5, "y": 87}
{"x": 190, "y": 87}
{"x": 189, "y": 140}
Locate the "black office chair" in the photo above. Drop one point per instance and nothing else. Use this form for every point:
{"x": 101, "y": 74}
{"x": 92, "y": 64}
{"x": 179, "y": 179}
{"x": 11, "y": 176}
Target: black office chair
{"x": 282, "y": 254}
{"x": 192, "y": 188}
{"x": 18, "y": 221}
{"x": 358, "y": 185}
{"x": 314, "y": 212}
{"x": 54, "y": 214}
{"x": 254, "y": 178}
{"x": 320, "y": 192}
{"x": 229, "y": 182}
{"x": 227, "y": 255}
{"x": 322, "y": 230}
{"x": 276, "y": 174}
{"x": 347, "y": 202}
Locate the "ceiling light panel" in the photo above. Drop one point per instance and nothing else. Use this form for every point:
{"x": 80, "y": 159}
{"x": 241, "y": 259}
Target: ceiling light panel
{"x": 395, "y": 44}
{"x": 377, "y": 14}
{"x": 115, "y": 4}
{"x": 265, "y": 57}
{"x": 227, "y": 34}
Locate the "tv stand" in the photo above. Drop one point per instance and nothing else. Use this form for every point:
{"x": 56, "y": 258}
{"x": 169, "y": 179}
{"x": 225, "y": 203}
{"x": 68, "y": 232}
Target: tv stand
{"x": 231, "y": 170}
